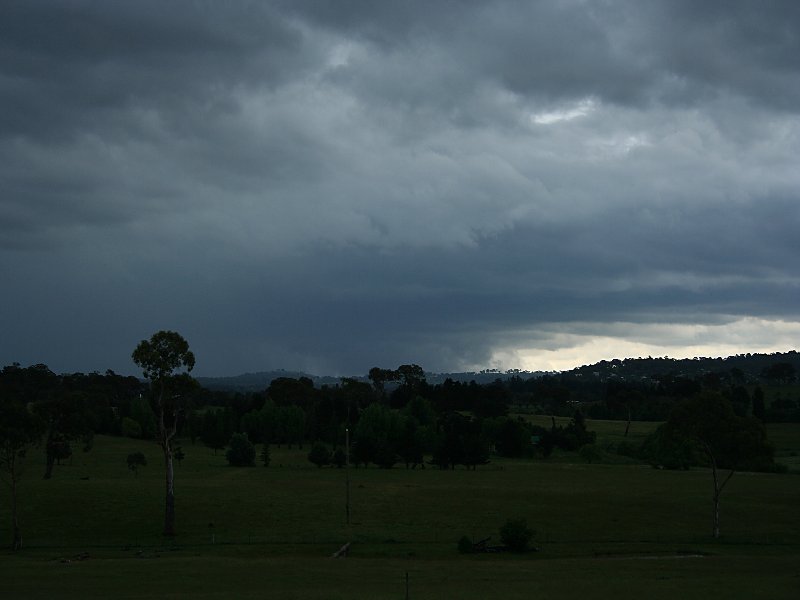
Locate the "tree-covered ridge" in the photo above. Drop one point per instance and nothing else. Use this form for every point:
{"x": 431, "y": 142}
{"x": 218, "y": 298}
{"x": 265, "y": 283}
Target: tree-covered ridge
{"x": 750, "y": 367}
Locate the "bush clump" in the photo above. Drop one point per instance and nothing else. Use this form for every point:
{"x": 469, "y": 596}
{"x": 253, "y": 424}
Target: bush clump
{"x": 136, "y": 460}
{"x": 465, "y": 545}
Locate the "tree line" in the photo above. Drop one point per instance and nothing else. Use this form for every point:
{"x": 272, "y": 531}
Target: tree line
{"x": 394, "y": 417}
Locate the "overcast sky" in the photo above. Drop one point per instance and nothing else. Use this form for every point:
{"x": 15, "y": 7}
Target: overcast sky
{"x": 331, "y": 186}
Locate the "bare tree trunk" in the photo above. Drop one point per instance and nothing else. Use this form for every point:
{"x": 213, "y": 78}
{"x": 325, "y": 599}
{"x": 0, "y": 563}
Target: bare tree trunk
{"x": 167, "y": 433}
{"x": 51, "y": 460}
{"x": 16, "y": 534}
{"x": 628, "y": 426}
{"x": 169, "y": 507}
{"x": 718, "y": 487}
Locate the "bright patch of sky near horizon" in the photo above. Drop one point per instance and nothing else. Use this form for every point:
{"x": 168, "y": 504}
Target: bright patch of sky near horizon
{"x": 567, "y": 351}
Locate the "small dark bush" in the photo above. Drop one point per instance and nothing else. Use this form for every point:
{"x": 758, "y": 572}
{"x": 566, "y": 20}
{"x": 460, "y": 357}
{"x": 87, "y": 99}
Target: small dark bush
{"x": 135, "y": 461}
{"x": 465, "y": 545}
{"x": 516, "y": 535}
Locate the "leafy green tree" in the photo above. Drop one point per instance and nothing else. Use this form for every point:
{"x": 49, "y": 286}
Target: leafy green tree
{"x": 217, "y": 428}
{"x": 194, "y": 425}
{"x": 412, "y": 383}
{"x": 265, "y": 457}
{"x": 241, "y": 452}
{"x": 385, "y": 456}
{"x": 354, "y": 395}
{"x": 740, "y": 400}
{"x": 20, "y": 430}
{"x": 450, "y": 450}
{"x": 252, "y": 423}
{"x": 513, "y": 438}
{"x": 422, "y": 410}
{"x": 287, "y": 391}
{"x": 62, "y": 411}
{"x": 576, "y": 432}
{"x": 130, "y": 428}
{"x": 319, "y": 454}
{"x": 160, "y": 358}
{"x": 136, "y": 460}
{"x": 663, "y": 449}
{"x": 143, "y": 414}
{"x": 411, "y": 443}
{"x": 759, "y": 406}
{"x": 492, "y": 401}
{"x": 292, "y": 423}
{"x": 376, "y": 435}
{"x": 782, "y": 372}
{"x": 379, "y": 378}
{"x": 67, "y": 418}
{"x": 729, "y": 442}
{"x": 476, "y": 450}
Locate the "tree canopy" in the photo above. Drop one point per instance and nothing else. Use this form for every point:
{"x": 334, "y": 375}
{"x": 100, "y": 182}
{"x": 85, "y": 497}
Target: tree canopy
{"x": 728, "y": 441}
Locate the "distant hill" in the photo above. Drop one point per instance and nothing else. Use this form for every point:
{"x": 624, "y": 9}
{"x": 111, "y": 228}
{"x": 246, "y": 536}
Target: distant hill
{"x": 255, "y": 382}
{"x": 752, "y": 366}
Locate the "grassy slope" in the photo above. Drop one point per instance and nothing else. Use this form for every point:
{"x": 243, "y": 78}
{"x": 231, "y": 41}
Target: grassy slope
{"x": 608, "y": 530}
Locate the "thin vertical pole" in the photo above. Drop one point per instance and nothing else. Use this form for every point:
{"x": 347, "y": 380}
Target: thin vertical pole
{"x": 347, "y": 473}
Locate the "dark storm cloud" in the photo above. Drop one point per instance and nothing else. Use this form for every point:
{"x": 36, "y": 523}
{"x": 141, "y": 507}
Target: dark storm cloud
{"x": 625, "y": 52}
{"x": 334, "y": 185}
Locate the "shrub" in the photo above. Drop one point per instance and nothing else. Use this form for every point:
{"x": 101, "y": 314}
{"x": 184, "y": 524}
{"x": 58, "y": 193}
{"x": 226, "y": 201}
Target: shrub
{"x": 241, "y": 453}
{"x": 136, "y": 460}
{"x": 516, "y": 535}
{"x": 465, "y": 545}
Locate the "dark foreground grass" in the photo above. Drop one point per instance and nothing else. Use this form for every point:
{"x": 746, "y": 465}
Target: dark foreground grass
{"x": 303, "y": 577}
{"x": 605, "y": 530}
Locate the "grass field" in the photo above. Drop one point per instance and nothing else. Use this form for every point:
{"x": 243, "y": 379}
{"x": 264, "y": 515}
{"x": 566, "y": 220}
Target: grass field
{"x": 604, "y": 530}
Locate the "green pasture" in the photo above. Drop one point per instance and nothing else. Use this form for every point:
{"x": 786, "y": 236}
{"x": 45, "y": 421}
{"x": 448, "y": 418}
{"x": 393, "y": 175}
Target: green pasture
{"x": 785, "y": 437}
{"x": 604, "y": 530}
